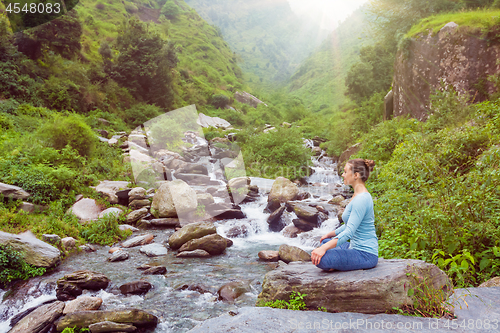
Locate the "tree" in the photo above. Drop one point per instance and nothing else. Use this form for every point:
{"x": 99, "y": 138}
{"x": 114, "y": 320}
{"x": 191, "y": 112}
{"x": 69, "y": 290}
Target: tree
{"x": 144, "y": 64}
{"x": 170, "y": 10}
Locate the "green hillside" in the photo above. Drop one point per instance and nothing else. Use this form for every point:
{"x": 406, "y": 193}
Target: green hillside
{"x": 269, "y": 37}
{"x": 320, "y": 80}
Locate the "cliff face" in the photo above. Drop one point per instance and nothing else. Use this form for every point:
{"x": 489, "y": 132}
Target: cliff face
{"x": 454, "y": 56}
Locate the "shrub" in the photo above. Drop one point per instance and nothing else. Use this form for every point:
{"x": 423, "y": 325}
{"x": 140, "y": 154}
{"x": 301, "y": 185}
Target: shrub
{"x": 219, "y": 101}
{"x": 140, "y": 113}
{"x": 104, "y": 231}
{"x": 61, "y": 131}
{"x": 13, "y": 266}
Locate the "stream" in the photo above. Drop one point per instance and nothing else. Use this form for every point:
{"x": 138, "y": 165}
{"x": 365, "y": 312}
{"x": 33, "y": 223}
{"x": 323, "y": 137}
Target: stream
{"x": 181, "y": 310}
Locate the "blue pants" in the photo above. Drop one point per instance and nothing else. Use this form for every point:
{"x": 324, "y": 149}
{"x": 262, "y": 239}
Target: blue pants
{"x": 344, "y": 259}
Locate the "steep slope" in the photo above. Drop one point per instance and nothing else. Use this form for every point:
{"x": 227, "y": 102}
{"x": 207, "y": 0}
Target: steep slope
{"x": 269, "y": 37}
{"x": 320, "y": 80}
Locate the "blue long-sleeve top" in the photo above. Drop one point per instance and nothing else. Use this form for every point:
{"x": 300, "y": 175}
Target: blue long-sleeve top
{"x": 360, "y": 225}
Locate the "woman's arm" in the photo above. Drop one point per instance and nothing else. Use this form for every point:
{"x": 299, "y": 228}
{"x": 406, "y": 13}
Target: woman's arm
{"x": 328, "y": 235}
{"x": 318, "y": 253}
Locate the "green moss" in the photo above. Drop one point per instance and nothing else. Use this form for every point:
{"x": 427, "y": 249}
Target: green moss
{"x": 483, "y": 20}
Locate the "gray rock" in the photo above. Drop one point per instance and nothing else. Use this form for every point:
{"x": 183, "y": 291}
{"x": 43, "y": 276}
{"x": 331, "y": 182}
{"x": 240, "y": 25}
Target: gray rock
{"x": 156, "y": 270}
{"x": 71, "y": 285}
{"x": 173, "y": 198}
{"x": 136, "y": 215}
{"x": 213, "y": 244}
{"x": 124, "y": 227}
{"x": 291, "y": 231}
{"x": 137, "y": 193}
{"x": 204, "y": 198}
{"x": 290, "y": 253}
{"x": 14, "y": 192}
{"x": 237, "y": 231}
{"x": 86, "y": 210}
{"x": 494, "y": 282}
{"x": 138, "y": 240}
{"x": 87, "y": 248}
{"x": 283, "y": 190}
{"x": 83, "y": 303}
{"x": 374, "y": 290}
{"x": 207, "y": 121}
{"x": 232, "y": 290}
{"x": 305, "y": 212}
{"x": 274, "y": 220}
{"x": 40, "y": 319}
{"x": 154, "y": 250}
{"x": 52, "y": 239}
{"x": 189, "y": 232}
{"x": 68, "y": 243}
{"x": 165, "y": 223}
{"x": 193, "y": 254}
{"x": 137, "y": 204}
{"x": 113, "y": 211}
{"x": 30, "y": 208}
{"x": 109, "y": 326}
{"x": 121, "y": 315}
{"x": 119, "y": 256}
{"x": 304, "y": 225}
{"x": 35, "y": 252}
{"x": 269, "y": 255}
{"x": 136, "y": 287}
{"x": 109, "y": 188}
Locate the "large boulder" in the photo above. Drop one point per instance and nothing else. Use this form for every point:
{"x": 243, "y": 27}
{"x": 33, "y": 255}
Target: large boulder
{"x": 213, "y": 244}
{"x": 113, "y": 211}
{"x": 154, "y": 250}
{"x": 40, "y": 319}
{"x": 173, "y": 198}
{"x": 289, "y": 253}
{"x": 283, "y": 190}
{"x": 109, "y": 188}
{"x": 493, "y": 282}
{"x": 86, "y": 318}
{"x": 83, "y": 303}
{"x": 71, "y": 285}
{"x": 305, "y": 212}
{"x": 14, "y": 192}
{"x": 35, "y": 252}
{"x": 135, "y": 287}
{"x": 189, "y": 232}
{"x": 274, "y": 220}
{"x": 109, "y": 327}
{"x": 374, "y": 290}
{"x": 86, "y": 210}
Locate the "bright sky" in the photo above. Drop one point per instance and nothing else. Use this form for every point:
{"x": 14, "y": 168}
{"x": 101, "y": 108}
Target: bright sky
{"x": 328, "y": 12}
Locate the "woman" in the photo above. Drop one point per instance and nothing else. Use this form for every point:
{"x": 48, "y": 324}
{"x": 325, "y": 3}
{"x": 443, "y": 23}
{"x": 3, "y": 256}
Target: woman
{"x": 362, "y": 252}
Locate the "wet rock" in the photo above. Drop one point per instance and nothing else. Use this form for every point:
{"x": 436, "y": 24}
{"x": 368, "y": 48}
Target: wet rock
{"x": 305, "y": 212}
{"x": 71, "y": 285}
{"x": 68, "y": 243}
{"x": 193, "y": 168}
{"x": 119, "y": 255}
{"x": 283, "y": 190}
{"x": 213, "y": 244}
{"x": 86, "y": 210}
{"x": 232, "y": 290}
{"x": 154, "y": 250}
{"x": 40, "y": 319}
{"x": 137, "y": 193}
{"x": 136, "y": 215}
{"x": 189, "y": 232}
{"x": 113, "y": 211}
{"x": 193, "y": 254}
{"x": 290, "y": 253}
{"x": 83, "y": 303}
{"x": 304, "y": 225}
{"x": 173, "y": 198}
{"x": 336, "y": 200}
{"x": 109, "y": 189}
{"x": 221, "y": 213}
{"x": 204, "y": 198}
{"x": 196, "y": 287}
{"x": 493, "y": 282}
{"x": 156, "y": 270}
{"x": 135, "y": 287}
{"x": 238, "y": 182}
{"x": 303, "y": 196}
{"x": 291, "y": 231}
{"x": 274, "y": 220}
{"x": 137, "y": 204}
{"x": 229, "y": 242}
{"x": 269, "y": 255}
{"x": 237, "y": 231}
{"x": 35, "y": 252}
{"x": 165, "y": 223}
{"x": 121, "y": 315}
{"x": 124, "y": 227}
{"x": 138, "y": 240}
{"x": 14, "y": 192}
{"x": 143, "y": 267}
{"x": 109, "y": 326}
{"x": 375, "y": 290}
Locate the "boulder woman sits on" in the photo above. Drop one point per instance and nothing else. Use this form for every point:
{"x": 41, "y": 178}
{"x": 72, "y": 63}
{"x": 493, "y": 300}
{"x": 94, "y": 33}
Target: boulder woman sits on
{"x": 335, "y": 253}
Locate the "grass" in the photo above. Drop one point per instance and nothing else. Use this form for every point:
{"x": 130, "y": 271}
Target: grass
{"x": 483, "y": 20}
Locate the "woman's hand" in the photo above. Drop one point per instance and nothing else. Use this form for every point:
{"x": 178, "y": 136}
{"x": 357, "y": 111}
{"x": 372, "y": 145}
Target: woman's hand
{"x": 317, "y": 254}
{"x": 323, "y": 238}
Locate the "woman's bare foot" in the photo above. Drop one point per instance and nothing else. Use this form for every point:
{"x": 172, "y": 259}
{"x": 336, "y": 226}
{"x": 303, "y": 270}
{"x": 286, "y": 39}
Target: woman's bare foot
{"x": 332, "y": 270}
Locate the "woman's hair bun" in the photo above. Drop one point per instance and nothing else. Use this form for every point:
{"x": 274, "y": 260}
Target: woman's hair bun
{"x": 370, "y": 164}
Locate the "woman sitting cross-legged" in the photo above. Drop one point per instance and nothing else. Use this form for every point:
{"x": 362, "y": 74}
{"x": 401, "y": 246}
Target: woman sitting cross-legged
{"x": 335, "y": 253}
